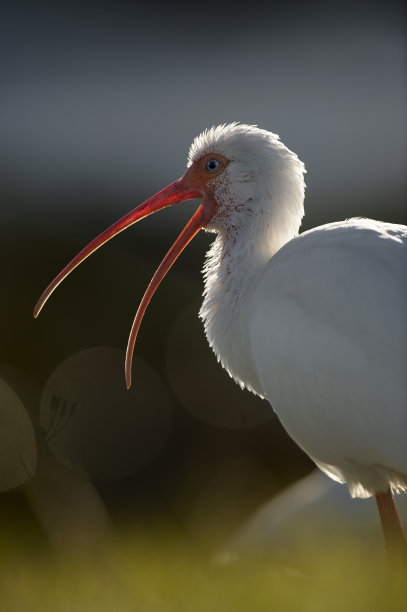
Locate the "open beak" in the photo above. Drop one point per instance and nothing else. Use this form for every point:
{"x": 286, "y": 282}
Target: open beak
{"x": 178, "y": 191}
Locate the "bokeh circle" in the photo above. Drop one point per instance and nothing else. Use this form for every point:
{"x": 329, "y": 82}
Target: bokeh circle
{"x": 97, "y": 427}
{"x": 18, "y": 450}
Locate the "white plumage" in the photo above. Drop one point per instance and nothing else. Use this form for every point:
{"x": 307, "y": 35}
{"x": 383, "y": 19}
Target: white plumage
{"x": 335, "y": 364}
{"x": 317, "y": 324}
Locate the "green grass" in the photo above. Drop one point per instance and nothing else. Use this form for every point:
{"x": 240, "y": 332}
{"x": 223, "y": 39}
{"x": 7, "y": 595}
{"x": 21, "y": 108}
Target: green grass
{"x": 136, "y": 573}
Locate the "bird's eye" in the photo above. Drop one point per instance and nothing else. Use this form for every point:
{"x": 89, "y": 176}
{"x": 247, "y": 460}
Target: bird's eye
{"x": 213, "y": 165}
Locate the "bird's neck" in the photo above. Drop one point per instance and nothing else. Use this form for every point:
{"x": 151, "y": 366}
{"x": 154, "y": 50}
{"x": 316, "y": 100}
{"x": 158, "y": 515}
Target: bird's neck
{"x": 233, "y": 266}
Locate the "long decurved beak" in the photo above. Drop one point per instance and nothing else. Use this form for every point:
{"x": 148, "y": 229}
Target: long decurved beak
{"x": 176, "y": 192}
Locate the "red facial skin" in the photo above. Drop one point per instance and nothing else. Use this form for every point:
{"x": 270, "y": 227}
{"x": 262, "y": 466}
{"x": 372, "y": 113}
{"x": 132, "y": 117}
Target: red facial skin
{"x": 195, "y": 183}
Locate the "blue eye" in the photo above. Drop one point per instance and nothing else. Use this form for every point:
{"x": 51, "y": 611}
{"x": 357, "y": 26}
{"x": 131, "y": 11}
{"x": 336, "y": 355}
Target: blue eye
{"x": 213, "y": 165}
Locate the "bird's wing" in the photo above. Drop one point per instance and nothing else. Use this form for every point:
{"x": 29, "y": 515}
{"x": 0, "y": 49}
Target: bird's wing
{"x": 328, "y": 334}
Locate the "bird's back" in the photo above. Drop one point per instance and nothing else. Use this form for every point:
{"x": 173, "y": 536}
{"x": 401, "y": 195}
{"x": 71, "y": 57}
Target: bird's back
{"x": 328, "y": 332}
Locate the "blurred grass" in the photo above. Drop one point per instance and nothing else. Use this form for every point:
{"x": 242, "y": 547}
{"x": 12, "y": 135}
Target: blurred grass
{"x": 163, "y": 574}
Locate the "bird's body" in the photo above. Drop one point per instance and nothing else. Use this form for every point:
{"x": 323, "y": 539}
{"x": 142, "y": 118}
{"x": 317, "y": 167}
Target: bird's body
{"x": 318, "y": 326}
{"x": 334, "y": 361}
{"x": 321, "y": 345}
{"x": 316, "y": 323}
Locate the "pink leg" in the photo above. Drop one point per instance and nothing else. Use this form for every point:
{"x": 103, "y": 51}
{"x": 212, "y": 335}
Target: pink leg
{"x": 394, "y": 536}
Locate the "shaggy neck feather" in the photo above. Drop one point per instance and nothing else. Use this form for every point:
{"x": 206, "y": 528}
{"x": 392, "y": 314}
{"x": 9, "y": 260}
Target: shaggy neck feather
{"x": 233, "y": 264}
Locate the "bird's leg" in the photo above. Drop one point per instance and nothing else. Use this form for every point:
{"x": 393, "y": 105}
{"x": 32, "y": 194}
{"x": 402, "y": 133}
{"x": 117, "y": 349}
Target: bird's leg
{"x": 394, "y": 536}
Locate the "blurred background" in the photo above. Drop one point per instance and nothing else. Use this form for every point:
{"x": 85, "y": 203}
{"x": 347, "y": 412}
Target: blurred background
{"x": 99, "y": 104}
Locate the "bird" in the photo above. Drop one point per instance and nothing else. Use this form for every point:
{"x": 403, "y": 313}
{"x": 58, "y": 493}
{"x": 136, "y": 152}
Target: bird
{"x": 314, "y": 322}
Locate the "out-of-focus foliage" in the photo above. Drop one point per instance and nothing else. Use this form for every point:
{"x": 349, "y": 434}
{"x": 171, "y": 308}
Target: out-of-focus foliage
{"x": 162, "y": 574}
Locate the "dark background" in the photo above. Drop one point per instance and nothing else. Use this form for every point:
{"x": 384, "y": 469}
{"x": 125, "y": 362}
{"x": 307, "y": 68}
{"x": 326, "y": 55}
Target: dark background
{"x": 99, "y": 104}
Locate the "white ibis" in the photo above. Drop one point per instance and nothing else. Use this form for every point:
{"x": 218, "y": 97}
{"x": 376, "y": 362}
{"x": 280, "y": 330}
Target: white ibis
{"x": 316, "y": 323}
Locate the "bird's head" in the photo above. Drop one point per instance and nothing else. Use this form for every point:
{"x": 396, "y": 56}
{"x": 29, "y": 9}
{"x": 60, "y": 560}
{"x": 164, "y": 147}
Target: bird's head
{"x": 225, "y": 166}
{"x": 243, "y": 169}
